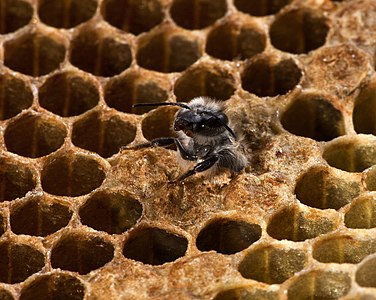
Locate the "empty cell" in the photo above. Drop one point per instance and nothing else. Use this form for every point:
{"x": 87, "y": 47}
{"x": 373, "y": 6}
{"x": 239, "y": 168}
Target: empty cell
{"x": 154, "y": 246}
{"x": 299, "y": 31}
{"x": 227, "y": 236}
{"x": 34, "y": 135}
{"x": 362, "y": 213}
{"x": 5, "y": 295}
{"x": 272, "y": 264}
{"x": 14, "y": 15}
{"x": 245, "y": 293}
{"x": 68, "y": 94}
{"x": 261, "y": 8}
{"x": 18, "y": 262}
{"x": 34, "y": 53}
{"x": 54, "y": 286}
{"x": 366, "y": 272}
{"x": 133, "y": 16}
{"x": 113, "y": 212}
{"x": 81, "y": 253}
{"x": 66, "y": 13}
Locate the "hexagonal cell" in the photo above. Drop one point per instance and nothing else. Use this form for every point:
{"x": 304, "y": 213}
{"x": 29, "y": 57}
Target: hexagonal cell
{"x": 366, "y": 273}
{"x": 98, "y": 53}
{"x": 158, "y": 123}
{"x": 103, "y": 133}
{"x": 66, "y": 14}
{"x": 54, "y": 286}
{"x": 154, "y": 246}
{"x": 266, "y": 78}
{"x": 299, "y": 31}
{"x": 113, "y": 212}
{"x": 5, "y": 295}
{"x": 68, "y": 94}
{"x": 133, "y": 87}
{"x": 16, "y": 179}
{"x": 271, "y": 264}
{"x": 227, "y": 236}
{"x": 292, "y": 224}
{"x": 193, "y": 14}
{"x": 39, "y": 216}
{"x": 71, "y": 175}
{"x": 34, "y": 53}
{"x": 14, "y": 14}
{"x": 261, "y": 8}
{"x": 133, "y": 16}
{"x": 234, "y": 39}
{"x": 81, "y": 253}
{"x": 320, "y": 284}
{"x": 351, "y": 153}
{"x": 321, "y": 187}
{"x": 362, "y": 213}
{"x": 370, "y": 178}
{"x": 245, "y": 293}
{"x": 168, "y": 50}
{"x": 313, "y": 116}
{"x": 18, "y": 261}
{"x": 205, "y": 80}
{"x": 34, "y": 135}
{"x": 343, "y": 249}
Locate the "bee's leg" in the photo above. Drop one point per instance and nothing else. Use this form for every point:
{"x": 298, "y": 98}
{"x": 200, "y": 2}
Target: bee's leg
{"x": 184, "y": 152}
{"x": 200, "y": 167}
{"x": 159, "y": 142}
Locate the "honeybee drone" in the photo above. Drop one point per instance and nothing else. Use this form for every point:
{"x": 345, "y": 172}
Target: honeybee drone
{"x": 205, "y": 137}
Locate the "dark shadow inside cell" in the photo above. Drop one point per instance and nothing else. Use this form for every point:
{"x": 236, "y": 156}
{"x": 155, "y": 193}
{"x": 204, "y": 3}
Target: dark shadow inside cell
{"x": 364, "y": 111}
{"x": 14, "y": 15}
{"x": 261, "y": 8}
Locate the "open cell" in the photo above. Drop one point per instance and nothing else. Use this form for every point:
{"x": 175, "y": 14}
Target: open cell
{"x": 15, "y": 14}
{"x": 158, "y": 123}
{"x": 245, "y": 293}
{"x": 362, "y": 213}
{"x": 154, "y": 246}
{"x": 365, "y": 109}
{"x": 261, "y": 8}
{"x": 5, "y": 294}
{"x": 365, "y": 275}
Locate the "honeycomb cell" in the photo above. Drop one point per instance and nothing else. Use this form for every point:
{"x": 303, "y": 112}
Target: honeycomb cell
{"x": 272, "y": 264}
{"x": 158, "y": 123}
{"x": 16, "y": 179}
{"x": 343, "y": 249}
{"x": 245, "y": 293}
{"x": 34, "y": 53}
{"x": 362, "y": 213}
{"x": 264, "y": 78}
{"x": 299, "y": 31}
{"x": 71, "y": 175}
{"x": 98, "y": 53}
{"x": 66, "y": 14}
{"x": 81, "y": 253}
{"x": 5, "y": 295}
{"x": 113, "y": 212}
{"x": 193, "y": 14}
{"x": 205, "y": 80}
{"x": 351, "y": 154}
{"x": 313, "y": 116}
{"x": 167, "y": 51}
{"x": 292, "y": 224}
{"x": 39, "y": 216}
{"x": 140, "y": 86}
{"x": 54, "y": 286}
{"x": 227, "y": 236}
{"x": 34, "y": 135}
{"x": 261, "y": 8}
{"x": 14, "y": 15}
{"x": 366, "y": 272}
{"x": 319, "y": 187}
{"x": 68, "y": 94}
{"x": 154, "y": 246}
{"x": 320, "y": 284}
{"x": 18, "y": 261}
{"x": 133, "y": 16}
{"x": 15, "y": 96}
{"x": 103, "y": 133}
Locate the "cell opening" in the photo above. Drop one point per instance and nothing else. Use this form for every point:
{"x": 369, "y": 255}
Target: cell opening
{"x": 133, "y": 16}
{"x": 362, "y": 213}
{"x": 81, "y": 253}
{"x": 34, "y": 135}
{"x": 72, "y": 175}
{"x": 364, "y": 110}
{"x": 66, "y": 14}
{"x": 68, "y": 94}
{"x": 14, "y": 15}
{"x": 39, "y": 216}
{"x": 314, "y": 117}
{"x": 18, "y": 262}
{"x": 261, "y": 8}
{"x": 272, "y": 265}
{"x": 54, "y": 286}
{"x": 15, "y": 96}
{"x": 113, "y": 212}
{"x": 299, "y": 31}
{"x": 34, "y": 54}
{"x": 266, "y": 79}
{"x": 154, "y": 246}
{"x": 365, "y": 275}
{"x": 244, "y": 293}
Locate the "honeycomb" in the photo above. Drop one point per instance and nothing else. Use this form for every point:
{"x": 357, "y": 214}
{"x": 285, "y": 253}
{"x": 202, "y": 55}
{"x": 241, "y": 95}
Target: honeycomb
{"x": 83, "y": 218}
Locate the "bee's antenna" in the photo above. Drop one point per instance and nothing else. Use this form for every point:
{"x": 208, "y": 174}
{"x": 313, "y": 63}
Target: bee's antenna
{"x": 162, "y": 104}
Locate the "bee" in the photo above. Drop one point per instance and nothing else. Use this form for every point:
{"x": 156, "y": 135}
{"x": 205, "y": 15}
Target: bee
{"x": 205, "y": 137}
